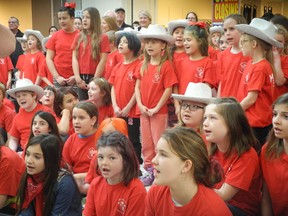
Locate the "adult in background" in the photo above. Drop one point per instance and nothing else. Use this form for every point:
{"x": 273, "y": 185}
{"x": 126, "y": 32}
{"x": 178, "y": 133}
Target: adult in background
{"x": 145, "y": 19}
{"x": 191, "y": 16}
{"x": 120, "y": 18}
{"x": 13, "y": 24}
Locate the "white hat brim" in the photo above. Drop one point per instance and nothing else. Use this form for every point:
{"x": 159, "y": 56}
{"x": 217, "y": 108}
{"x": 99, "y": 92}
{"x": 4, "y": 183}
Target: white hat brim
{"x": 33, "y": 88}
{"x": 35, "y": 33}
{"x": 44, "y": 42}
{"x": 135, "y": 32}
{"x": 176, "y": 24}
{"x": 194, "y": 99}
{"x": 251, "y": 30}
{"x": 167, "y": 38}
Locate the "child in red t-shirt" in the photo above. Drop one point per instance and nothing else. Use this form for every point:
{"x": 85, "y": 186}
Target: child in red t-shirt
{"x": 80, "y": 147}
{"x": 123, "y": 82}
{"x": 114, "y": 57}
{"x": 231, "y": 62}
{"x": 117, "y": 190}
{"x": 274, "y": 162}
{"x": 21, "y": 58}
{"x": 49, "y": 97}
{"x": 99, "y": 93}
{"x": 27, "y": 95}
{"x": 183, "y": 177}
{"x": 227, "y": 129}
{"x": 280, "y": 63}
{"x": 255, "y": 91}
{"x": 198, "y": 67}
{"x": 154, "y": 84}
{"x": 90, "y": 50}
{"x": 35, "y": 58}
{"x": 214, "y": 36}
{"x": 6, "y": 68}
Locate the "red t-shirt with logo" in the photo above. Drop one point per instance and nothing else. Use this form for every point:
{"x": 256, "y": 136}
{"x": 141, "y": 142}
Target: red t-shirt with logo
{"x": 279, "y": 90}
{"x": 5, "y": 66}
{"x": 112, "y": 60}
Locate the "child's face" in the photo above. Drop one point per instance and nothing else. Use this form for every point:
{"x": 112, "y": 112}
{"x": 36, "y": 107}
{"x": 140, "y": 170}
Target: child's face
{"x": 34, "y": 160}
{"x": 167, "y": 165}
{"x": 83, "y": 124}
{"x": 94, "y": 92}
{"x": 223, "y": 43}
{"x": 86, "y": 21}
{"x": 26, "y": 100}
{"x": 69, "y": 101}
{"x": 77, "y": 24}
{"x": 24, "y": 46}
{"x": 280, "y": 121}
{"x": 191, "y": 44}
{"x": 178, "y": 35}
{"x": 111, "y": 165}
{"x": 104, "y": 26}
{"x": 246, "y": 45}
{"x": 192, "y": 114}
{"x": 280, "y": 38}
{"x": 52, "y": 31}
{"x": 231, "y": 33}
{"x": 215, "y": 128}
{"x": 32, "y": 42}
{"x": 123, "y": 46}
{"x": 154, "y": 47}
{"x": 215, "y": 38}
{"x": 48, "y": 98}
{"x": 65, "y": 21}
{"x": 40, "y": 126}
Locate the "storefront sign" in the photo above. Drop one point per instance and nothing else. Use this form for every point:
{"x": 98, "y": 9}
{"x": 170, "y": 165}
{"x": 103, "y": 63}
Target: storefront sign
{"x": 222, "y": 8}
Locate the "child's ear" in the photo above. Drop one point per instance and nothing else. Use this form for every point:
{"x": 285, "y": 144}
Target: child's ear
{"x": 254, "y": 43}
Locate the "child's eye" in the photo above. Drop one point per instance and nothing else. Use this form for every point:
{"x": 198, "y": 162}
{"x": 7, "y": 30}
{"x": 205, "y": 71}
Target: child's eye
{"x": 112, "y": 158}
{"x": 274, "y": 114}
{"x": 100, "y": 157}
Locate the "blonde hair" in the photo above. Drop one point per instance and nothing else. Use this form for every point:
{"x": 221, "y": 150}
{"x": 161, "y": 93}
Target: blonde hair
{"x": 282, "y": 31}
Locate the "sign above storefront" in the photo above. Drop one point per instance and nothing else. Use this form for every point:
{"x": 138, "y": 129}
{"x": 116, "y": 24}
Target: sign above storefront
{"x": 222, "y": 8}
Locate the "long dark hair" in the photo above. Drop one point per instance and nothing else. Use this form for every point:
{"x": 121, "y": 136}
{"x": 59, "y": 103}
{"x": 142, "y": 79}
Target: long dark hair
{"x": 124, "y": 147}
{"x": 59, "y": 97}
{"x": 51, "y": 148}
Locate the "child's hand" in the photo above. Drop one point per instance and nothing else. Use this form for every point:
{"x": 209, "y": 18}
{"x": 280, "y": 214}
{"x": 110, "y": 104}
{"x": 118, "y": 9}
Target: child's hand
{"x": 61, "y": 80}
{"x": 125, "y": 111}
{"x": 117, "y": 111}
{"x": 152, "y": 111}
{"x": 82, "y": 84}
{"x": 71, "y": 80}
{"x": 144, "y": 110}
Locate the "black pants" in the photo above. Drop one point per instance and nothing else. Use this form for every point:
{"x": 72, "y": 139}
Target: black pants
{"x": 261, "y": 134}
{"x": 83, "y": 93}
{"x": 133, "y": 125}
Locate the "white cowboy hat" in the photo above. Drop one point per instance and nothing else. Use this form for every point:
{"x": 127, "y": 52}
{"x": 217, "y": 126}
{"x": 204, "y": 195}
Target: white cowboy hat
{"x": 157, "y": 32}
{"x": 21, "y": 39}
{"x": 197, "y": 92}
{"x": 36, "y": 33}
{"x": 44, "y": 42}
{"x": 26, "y": 85}
{"x": 127, "y": 30}
{"x": 261, "y": 29}
{"x": 214, "y": 29}
{"x": 177, "y": 23}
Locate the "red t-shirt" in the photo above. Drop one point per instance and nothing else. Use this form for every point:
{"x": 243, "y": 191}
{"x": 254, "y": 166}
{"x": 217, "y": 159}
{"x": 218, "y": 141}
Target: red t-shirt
{"x": 21, "y": 126}
{"x": 213, "y": 54}
{"x": 105, "y": 199}
{"x": 205, "y": 202}
{"x": 6, "y": 117}
{"x": 244, "y": 174}
{"x": 279, "y": 90}
{"x": 197, "y": 71}
{"x": 9, "y": 103}
{"x": 123, "y": 80}
{"x": 154, "y": 83}
{"x": 5, "y": 66}
{"x": 20, "y": 62}
{"x": 44, "y": 72}
{"x": 275, "y": 176}
{"x": 11, "y": 169}
{"x": 258, "y": 77}
{"x": 179, "y": 55}
{"x": 105, "y": 112}
{"x": 60, "y": 42}
{"x": 78, "y": 152}
{"x": 88, "y": 65}
{"x": 112, "y": 60}
{"x": 230, "y": 68}
{"x": 92, "y": 172}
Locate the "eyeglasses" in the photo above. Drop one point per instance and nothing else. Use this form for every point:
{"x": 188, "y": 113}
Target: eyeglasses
{"x": 12, "y": 22}
{"x": 192, "y": 107}
{"x": 191, "y": 18}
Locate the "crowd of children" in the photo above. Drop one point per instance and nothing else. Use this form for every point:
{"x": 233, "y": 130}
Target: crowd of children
{"x": 204, "y": 109}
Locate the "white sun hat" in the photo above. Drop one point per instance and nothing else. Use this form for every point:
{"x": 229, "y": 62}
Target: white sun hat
{"x": 44, "y": 42}
{"x": 22, "y": 39}
{"x": 214, "y": 29}
{"x": 261, "y": 29}
{"x": 36, "y": 33}
{"x": 196, "y": 92}
{"x": 176, "y": 24}
{"x": 127, "y": 30}
{"x": 26, "y": 85}
{"x": 157, "y": 32}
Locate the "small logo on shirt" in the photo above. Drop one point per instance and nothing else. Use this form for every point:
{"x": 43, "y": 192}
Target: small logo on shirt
{"x": 271, "y": 79}
{"x": 247, "y": 78}
{"x": 199, "y": 72}
{"x": 130, "y": 76}
{"x": 156, "y": 77}
{"x": 242, "y": 67}
{"x": 91, "y": 153}
{"x": 2, "y": 61}
{"x": 32, "y": 60}
{"x": 121, "y": 207}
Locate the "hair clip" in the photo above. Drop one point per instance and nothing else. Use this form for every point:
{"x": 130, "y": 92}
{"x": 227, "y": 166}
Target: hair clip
{"x": 70, "y": 5}
{"x": 198, "y": 24}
